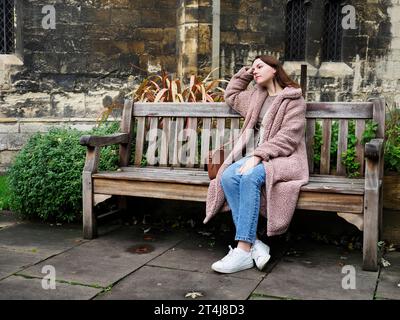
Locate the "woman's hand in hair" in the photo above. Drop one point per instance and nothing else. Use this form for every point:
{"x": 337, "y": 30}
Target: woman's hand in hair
{"x": 249, "y": 164}
{"x": 250, "y": 70}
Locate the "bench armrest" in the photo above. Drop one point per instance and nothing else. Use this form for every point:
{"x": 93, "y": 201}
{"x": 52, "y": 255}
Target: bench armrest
{"x": 93, "y": 144}
{"x": 373, "y": 163}
{"x": 374, "y": 149}
{"x": 100, "y": 141}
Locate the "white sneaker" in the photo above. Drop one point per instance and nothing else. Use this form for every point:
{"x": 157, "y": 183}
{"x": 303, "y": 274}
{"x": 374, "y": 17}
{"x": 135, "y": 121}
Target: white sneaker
{"x": 260, "y": 254}
{"x": 236, "y": 260}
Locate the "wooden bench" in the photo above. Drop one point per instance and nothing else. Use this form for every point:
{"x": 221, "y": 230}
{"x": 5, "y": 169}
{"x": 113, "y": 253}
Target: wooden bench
{"x": 165, "y": 177}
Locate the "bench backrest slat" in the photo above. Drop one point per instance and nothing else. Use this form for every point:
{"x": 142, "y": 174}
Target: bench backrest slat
{"x": 190, "y": 130}
{"x": 140, "y": 134}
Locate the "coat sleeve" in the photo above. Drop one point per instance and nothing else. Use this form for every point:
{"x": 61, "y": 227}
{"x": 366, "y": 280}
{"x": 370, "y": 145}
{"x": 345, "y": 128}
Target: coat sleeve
{"x": 236, "y": 95}
{"x": 287, "y": 139}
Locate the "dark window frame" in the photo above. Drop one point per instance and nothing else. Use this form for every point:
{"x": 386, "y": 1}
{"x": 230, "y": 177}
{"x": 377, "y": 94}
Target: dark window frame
{"x": 7, "y": 26}
{"x": 296, "y": 29}
{"x": 332, "y": 36}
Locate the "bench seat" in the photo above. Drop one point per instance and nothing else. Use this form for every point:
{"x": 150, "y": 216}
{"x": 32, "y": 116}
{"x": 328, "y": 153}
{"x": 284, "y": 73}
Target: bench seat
{"x": 323, "y": 191}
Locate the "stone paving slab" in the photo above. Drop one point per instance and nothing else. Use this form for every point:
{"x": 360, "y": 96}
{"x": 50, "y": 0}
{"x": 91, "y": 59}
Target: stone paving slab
{"x": 317, "y": 274}
{"x": 12, "y": 261}
{"x": 7, "y": 219}
{"x": 169, "y": 284}
{"x": 40, "y": 238}
{"x": 201, "y": 252}
{"x": 389, "y": 279}
{"x": 20, "y": 288}
{"x": 107, "y": 259}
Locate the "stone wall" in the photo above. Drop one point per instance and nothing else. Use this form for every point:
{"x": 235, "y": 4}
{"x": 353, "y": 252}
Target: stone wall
{"x": 370, "y": 53}
{"x": 101, "y": 49}
{"x": 97, "y": 53}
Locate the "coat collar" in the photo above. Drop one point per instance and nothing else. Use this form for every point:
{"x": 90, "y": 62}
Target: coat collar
{"x": 287, "y": 92}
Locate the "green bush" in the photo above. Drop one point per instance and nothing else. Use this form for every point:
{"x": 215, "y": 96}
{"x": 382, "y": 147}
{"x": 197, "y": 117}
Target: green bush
{"x": 45, "y": 179}
{"x": 392, "y": 137}
{"x": 4, "y": 194}
{"x": 349, "y": 159}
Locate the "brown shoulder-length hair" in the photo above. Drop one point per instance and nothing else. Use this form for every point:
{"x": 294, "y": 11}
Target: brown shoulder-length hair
{"x": 280, "y": 76}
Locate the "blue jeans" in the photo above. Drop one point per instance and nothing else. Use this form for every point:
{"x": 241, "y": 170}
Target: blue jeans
{"x": 242, "y": 191}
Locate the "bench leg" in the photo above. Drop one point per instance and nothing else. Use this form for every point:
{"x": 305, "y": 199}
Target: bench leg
{"x": 89, "y": 218}
{"x": 122, "y": 203}
{"x": 381, "y": 212}
{"x": 371, "y": 229}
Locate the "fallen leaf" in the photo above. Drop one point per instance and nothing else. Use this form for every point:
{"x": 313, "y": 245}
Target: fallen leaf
{"x": 147, "y": 237}
{"x": 147, "y": 230}
{"x": 205, "y": 233}
{"x": 384, "y": 262}
{"x": 193, "y": 295}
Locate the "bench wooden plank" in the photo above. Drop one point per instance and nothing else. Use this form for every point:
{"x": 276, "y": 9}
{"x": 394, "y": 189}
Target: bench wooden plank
{"x": 127, "y": 123}
{"x": 165, "y": 140}
{"x": 205, "y": 141}
{"x": 190, "y": 109}
{"x": 235, "y": 132}
{"x": 153, "y": 142}
{"x": 321, "y": 110}
{"x": 140, "y": 133}
{"x": 342, "y": 146}
{"x": 330, "y": 202}
{"x": 317, "y": 184}
{"x": 191, "y": 134}
{"x": 360, "y": 127}
{"x": 339, "y": 110}
{"x": 178, "y": 137}
{"x": 310, "y": 141}
{"x": 326, "y": 146}
{"x": 307, "y": 200}
{"x": 151, "y": 189}
{"x": 220, "y": 134}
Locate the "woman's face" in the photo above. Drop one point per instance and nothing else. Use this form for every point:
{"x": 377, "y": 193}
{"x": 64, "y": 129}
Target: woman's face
{"x": 262, "y": 71}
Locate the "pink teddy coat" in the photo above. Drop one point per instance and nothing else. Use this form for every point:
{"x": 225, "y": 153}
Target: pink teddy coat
{"x": 283, "y": 150}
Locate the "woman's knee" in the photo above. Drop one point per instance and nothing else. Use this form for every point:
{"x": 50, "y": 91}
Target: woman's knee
{"x": 255, "y": 175}
{"x": 228, "y": 175}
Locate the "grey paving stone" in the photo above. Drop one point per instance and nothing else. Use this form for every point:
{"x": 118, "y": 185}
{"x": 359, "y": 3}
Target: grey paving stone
{"x": 12, "y": 261}
{"x": 19, "y": 288}
{"x": 166, "y": 284}
{"x": 389, "y": 278}
{"x": 318, "y": 274}
{"x": 262, "y": 297}
{"x": 200, "y": 252}
{"x": 7, "y": 219}
{"x": 107, "y": 259}
{"x": 40, "y": 237}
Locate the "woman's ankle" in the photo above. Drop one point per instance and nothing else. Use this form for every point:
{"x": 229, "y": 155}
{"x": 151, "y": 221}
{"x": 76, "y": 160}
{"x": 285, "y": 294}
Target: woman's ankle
{"x": 246, "y": 246}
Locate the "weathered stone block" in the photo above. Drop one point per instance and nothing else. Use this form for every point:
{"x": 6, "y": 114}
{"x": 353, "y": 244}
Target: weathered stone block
{"x": 17, "y": 141}
{"x": 251, "y": 37}
{"x": 7, "y": 157}
{"x": 3, "y": 141}
{"x": 39, "y": 126}
{"x": 82, "y": 126}
{"x": 205, "y": 14}
{"x": 94, "y": 102}
{"x": 150, "y": 34}
{"x": 127, "y": 17}
{"x": 29, "y": 105}
{"x": 96, "y": 16}
{"x": 11, "y": 127}
{"x": 69, "y": 105}
{"x": 204, "y": 46}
